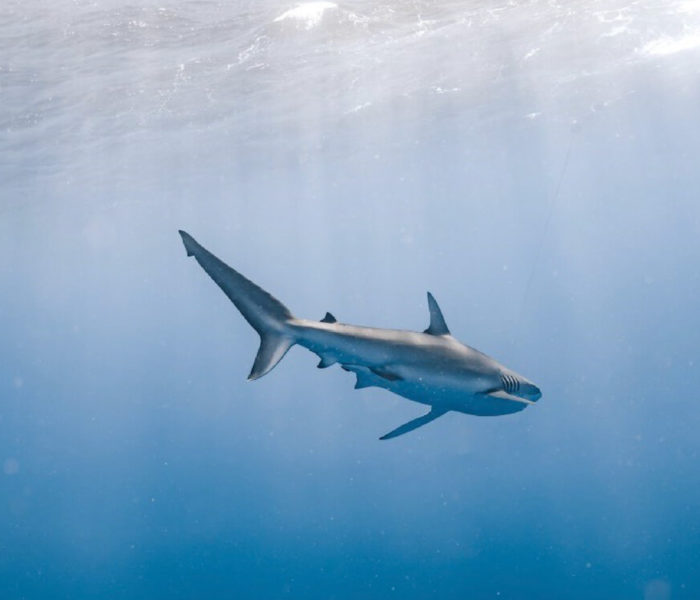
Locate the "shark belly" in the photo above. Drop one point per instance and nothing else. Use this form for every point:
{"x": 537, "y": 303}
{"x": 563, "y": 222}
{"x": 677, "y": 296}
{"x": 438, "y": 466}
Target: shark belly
{"x": 455, "y": 398}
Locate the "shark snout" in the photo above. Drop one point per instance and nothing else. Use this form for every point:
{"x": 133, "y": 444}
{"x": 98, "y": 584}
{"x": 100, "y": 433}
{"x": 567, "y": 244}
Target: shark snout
{"x": 528, "y": 390}
{"x": 531, "y": 391}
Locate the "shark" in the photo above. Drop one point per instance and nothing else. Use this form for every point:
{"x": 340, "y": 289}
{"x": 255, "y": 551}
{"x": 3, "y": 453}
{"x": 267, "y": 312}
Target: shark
{"x": 430, "y": 367}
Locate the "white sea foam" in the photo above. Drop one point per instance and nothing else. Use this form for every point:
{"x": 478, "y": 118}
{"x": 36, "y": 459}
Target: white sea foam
{"x": 615, "y": 31}
{"x": 665, "y": 46}
{"x": 308, "y": 14}
{"x": 689, "y": 6}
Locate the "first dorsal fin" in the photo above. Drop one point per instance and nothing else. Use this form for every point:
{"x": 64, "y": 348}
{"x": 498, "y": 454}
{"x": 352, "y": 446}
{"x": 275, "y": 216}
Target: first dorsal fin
{"x": 329, "y": 318}
{"x": 437, "y": 321}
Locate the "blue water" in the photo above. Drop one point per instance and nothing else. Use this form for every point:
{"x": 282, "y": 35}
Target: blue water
{"x": 533, "y": 164}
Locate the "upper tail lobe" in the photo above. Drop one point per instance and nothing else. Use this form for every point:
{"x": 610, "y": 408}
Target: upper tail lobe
{"x": 267, "y": 315}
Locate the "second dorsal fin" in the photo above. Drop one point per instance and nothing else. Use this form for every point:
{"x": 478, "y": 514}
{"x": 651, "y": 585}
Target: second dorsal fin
{"x": 437, "y": 321}
{"x": 329, "y": 318}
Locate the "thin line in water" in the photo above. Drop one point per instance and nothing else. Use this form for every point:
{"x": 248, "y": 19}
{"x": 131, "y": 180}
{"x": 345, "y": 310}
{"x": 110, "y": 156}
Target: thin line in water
{"x": 545, "y": 230}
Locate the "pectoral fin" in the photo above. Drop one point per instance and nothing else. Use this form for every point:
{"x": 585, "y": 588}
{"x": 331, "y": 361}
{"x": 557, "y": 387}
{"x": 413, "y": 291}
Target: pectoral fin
{"x": 415, "y": 424}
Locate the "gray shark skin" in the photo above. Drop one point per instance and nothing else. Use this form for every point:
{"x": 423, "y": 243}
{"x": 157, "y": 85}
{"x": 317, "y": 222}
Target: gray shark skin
{"x": 431, "y": 367}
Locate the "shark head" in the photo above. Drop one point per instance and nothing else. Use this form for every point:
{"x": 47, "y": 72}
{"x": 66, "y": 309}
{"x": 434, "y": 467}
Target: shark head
{"x": 517, "y": 385}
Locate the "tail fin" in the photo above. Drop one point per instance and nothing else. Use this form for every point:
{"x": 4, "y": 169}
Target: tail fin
{"x": 272, "y": 349}
{"x": 267, "y": 315}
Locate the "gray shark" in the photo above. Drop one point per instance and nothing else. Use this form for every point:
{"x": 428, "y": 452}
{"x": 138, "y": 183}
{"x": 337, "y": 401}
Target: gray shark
{"x": 429, "y": 367}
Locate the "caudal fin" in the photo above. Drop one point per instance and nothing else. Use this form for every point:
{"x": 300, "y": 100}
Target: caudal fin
{"x": 267, "y": 315}
{"x": 272, "y": 349}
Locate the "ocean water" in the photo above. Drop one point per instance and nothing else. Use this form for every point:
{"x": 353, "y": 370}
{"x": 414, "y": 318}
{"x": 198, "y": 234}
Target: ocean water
{"x": 534, "y": 164}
